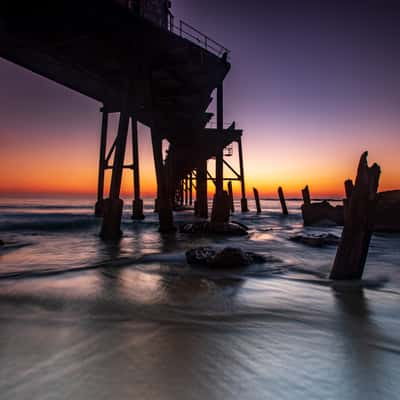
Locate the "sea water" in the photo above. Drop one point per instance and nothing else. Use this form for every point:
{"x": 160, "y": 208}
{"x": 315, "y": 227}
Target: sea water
{"x": 81, "y": 318}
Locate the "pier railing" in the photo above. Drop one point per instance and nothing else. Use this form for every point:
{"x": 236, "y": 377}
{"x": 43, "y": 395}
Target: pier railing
{"x": 184, "y": 30}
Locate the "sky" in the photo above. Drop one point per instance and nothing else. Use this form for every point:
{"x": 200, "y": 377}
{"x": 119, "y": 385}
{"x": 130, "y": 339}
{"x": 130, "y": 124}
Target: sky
{"x": 313, "y": 84}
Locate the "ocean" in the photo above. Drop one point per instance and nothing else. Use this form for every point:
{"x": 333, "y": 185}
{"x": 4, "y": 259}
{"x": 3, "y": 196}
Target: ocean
{"x": 81, "y": 318}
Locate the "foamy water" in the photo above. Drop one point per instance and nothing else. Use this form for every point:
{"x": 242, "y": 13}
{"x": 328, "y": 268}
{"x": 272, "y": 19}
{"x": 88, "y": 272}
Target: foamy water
{"x": 81, "y": 318}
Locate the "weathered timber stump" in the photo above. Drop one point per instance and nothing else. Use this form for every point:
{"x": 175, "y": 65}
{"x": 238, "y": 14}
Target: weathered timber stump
{"x": 283, "y": 201}
{"x": 221, "y": 208}
{"x": 257, "y": 199}
{"x": 358, "y": 223}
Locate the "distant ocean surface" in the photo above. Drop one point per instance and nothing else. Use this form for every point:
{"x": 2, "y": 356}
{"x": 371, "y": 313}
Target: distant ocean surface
{"x": 81, "y": 318}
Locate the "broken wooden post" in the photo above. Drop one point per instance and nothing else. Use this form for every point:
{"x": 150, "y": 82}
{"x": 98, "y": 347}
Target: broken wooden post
{"x": 358, "y": 224}
{"x": 257, "y": 199}
{"x": 306, "y": 196}
{"x": 230, "y": 192}
{"x": 348, "y": 186}
{"x": 283, "y": 201}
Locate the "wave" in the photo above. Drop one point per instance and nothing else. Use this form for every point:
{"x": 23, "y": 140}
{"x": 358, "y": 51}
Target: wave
{"x": 47, "y": 222}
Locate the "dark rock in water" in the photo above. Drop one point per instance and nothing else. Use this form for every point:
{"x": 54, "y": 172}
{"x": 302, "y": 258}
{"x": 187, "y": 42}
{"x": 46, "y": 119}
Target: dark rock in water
{"x": 324, "y": 239}
{"x": 229, "y": 257}
{"x": 220, "y": 228}
{"x": 1, "y": 243}
{"x": 320, "y": 213}
{"x": 200, "y": 255}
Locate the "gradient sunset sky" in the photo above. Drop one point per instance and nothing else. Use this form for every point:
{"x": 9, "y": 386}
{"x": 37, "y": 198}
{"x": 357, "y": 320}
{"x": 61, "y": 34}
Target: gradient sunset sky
{"x": 312, "y": 86}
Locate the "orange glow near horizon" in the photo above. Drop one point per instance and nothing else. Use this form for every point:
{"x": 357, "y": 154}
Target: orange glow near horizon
{"x": 52, "y": 153}
{"x": 29, "y": 168}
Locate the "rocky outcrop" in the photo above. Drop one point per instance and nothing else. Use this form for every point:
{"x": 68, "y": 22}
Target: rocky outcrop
{"x": 325, "y": 239}
{"x": 229, "y": 257}
{"x": 387, "y": 213}
{"x": 322, "y": 212}
{"x": 219, "y": 228}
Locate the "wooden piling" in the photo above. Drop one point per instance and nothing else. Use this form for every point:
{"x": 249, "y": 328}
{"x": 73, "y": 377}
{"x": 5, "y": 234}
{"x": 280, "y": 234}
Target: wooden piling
{"x": 348, "y": 186}
{"x": 283, "y": 201}
{"x": 243, "y": 200}
{"x": 164, "y": 202}
{"x": 358, "y": 225}
{"x": 230, "y": 192}
{"x": 201, "y": 204}
{"x": 257, "y": 199}
{"x": 137, "y": 204}
{"x": 102, "y": 163}
{"x": 306, "y": 196}
{"x": 112, "y": 215}
{"x": 191, "y": 189}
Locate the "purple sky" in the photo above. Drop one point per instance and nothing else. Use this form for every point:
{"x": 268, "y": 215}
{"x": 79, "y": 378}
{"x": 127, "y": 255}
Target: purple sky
{"x": 312, "y": 86}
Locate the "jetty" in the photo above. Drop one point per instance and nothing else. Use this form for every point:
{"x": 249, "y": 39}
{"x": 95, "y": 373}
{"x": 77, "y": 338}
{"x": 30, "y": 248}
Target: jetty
{"x": 139, "y": 62}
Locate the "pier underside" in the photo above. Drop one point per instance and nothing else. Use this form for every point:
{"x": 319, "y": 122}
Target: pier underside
{"x": 143, "y": 72}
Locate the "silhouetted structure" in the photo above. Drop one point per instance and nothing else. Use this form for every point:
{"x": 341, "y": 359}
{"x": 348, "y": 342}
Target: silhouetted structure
{"x": 257, "y": 200}
{"x": 316, "y": 212}
{"x": 283, "y": 201}
{"x": 130, "y": 56}
{"x": 358, "y": 223}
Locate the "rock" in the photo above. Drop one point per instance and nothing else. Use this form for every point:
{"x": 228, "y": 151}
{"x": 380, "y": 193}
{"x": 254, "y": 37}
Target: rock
{"x": 229, "y": 257}
{"x": 318, "y": 212}
{"x": 1, "y": 243}
{"x": 324, "y": 239}
{"x": 220, "y": 228}
{"x": 200, "y": 255}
